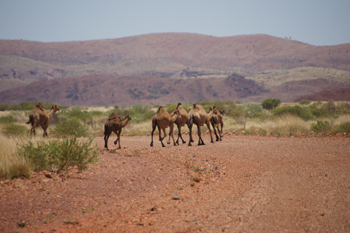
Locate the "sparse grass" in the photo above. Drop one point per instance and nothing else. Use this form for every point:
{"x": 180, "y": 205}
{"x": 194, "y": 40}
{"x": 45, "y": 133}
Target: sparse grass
{"x": 16, "y": 130}
{"x": 198, "y": 169}
{"x": 12, "y": 165}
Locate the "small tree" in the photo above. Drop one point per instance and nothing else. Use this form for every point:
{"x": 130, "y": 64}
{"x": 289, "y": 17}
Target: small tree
{"x": 270, "y": 103}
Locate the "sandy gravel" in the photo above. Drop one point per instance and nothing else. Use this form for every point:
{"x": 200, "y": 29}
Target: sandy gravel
{"x": 246, "y": 184}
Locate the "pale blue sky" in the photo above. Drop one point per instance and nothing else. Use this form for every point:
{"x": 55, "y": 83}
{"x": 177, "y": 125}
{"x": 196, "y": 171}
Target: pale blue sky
{"x": 316, "y": 22}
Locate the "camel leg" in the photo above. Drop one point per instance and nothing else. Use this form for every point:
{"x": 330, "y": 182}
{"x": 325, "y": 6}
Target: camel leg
{"x": 213, "y": 124}
{"x": 45, "y": 133}
{"x": 180, "y": 136}
{"x": 222, "y": 132}
{"x": 106, "y": 141}
{"x": 200, "y": 140}
{"x": 160, "y": 136}
{"x": 211, "y": 136}
{"x": 219, "y": 132}
{"x": 118, "y": 139}
{"x": 172, "y": 133}
{"x": 190, "y": 133}
{"x": 153, "y": 129}
{"x": 168, "y": 142}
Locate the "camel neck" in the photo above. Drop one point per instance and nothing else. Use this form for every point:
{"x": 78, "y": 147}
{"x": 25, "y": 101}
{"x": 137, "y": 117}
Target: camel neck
{"x": 51, "y": 113}
{"x": 125, "y": 122}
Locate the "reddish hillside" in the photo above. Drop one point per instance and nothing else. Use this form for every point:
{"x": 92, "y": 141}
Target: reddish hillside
{"x": 342, "y": 94}
{"x": 163, "y": 54}
{"x": 177, "y": 59}
{"x": 123, "y": 90}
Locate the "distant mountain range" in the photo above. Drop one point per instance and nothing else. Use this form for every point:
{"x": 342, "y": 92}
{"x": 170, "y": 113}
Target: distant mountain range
{"x": 169, "y": 67}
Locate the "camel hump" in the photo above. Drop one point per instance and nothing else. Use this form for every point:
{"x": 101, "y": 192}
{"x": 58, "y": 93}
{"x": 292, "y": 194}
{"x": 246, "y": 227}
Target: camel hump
{"x": 40, "y": 105}
{"x": 113, "y": 116}
{"x": 159, "y": 109}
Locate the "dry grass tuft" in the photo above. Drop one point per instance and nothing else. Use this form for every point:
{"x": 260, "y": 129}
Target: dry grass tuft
{"x": 12, "y": 165}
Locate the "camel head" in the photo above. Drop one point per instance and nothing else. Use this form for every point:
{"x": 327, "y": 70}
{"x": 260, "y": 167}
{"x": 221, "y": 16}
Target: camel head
{"x": 175, "y": 113}
{"x": 128, "y": 117}
{"x": 222, "y": 112}
{"x": 55, "y": 108}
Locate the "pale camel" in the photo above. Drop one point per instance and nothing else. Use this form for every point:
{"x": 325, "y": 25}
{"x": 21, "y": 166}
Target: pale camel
{"x": 39, "y": 116}
{"x": 162, "y": 119}
{"x": 214, "y": 120}
{"x": 181, "y": 120}
{"x": 199, "y": 117}
{"x": 115, "y": 124}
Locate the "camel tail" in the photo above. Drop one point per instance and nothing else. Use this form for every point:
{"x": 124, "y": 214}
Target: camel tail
{"x": 30, "y": 119}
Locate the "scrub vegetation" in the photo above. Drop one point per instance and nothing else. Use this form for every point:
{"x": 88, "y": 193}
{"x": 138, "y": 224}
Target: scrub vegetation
{"x": 72, "y": 130}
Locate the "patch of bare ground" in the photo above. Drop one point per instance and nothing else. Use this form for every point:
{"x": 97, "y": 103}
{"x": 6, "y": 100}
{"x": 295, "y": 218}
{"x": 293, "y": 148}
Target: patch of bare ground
{"x": 243, "y": 183}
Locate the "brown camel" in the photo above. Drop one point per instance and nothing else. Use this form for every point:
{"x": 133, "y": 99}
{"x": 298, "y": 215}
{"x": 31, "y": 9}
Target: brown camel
{"x": 181, "y": 120}
{"x": 162, "y": 119}
{"x": 199, "y": 117}
{"x": 39, "y": 116}
{"x": 214, "y": 120}
{"x": 115, "y": 124}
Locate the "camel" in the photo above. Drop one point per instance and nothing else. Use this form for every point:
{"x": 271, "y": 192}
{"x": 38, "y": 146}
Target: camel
{"x": 214, "y": 120}
{"x": 199, "y": 117}
{"x": 115, "y": 124}
{"x": 162, "y": 119}
{"x": 39, "y": 116}
{"x": 181, "y": 120}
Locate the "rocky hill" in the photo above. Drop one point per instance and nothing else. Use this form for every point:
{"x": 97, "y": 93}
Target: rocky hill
{"x": 275, "y": 64}
{"x": 342, "y": 94}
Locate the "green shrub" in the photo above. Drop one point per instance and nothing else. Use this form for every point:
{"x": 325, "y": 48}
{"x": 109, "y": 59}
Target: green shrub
{"x": 171, "y": 107}
{"x": 342, "y": 128}
{"x": 7, "y": 119}
{"x": 270, "y": 103}
{"x": 320, "y": 127}
{"x": 14, "y": 130}
{"x": 295, "y": 110}
{"x": 79, "y": 114}
{"x": 304, "y": 102}
{"x": 318, "y": 110}
{"x": 138, "y": 113}
{"x": 70, "y": 127}
{"x": 59, "y": 155}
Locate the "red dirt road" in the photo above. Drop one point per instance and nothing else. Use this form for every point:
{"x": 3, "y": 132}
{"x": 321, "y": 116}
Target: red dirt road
{"x": 248, "y": 184}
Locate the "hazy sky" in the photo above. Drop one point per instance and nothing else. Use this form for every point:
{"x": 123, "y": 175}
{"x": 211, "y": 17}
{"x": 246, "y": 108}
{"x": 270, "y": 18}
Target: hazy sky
{"x": 316, "y": 22}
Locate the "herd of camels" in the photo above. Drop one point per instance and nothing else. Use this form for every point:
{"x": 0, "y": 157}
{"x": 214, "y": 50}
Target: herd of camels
{"x": 161, "y": 120}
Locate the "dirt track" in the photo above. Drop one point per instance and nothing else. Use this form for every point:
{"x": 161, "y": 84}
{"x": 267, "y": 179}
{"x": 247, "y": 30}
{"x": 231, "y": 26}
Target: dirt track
{"x": 248, "y": 184}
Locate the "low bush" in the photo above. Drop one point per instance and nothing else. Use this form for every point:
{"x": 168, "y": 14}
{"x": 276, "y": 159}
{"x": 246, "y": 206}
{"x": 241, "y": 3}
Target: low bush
{"x": 59, "y": 155}
{"x": 14, "y": 130}
{"x": 295, "y": 110}
{"x": 70, "y": 127}
{"x": 320, "y": 127}
{"x": 270, "y": 103}
{"x": 304, "y": 102}
{"x": 342, "y": 128}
